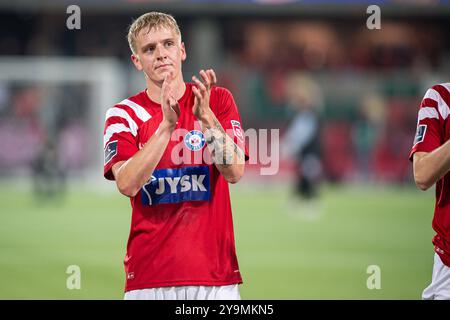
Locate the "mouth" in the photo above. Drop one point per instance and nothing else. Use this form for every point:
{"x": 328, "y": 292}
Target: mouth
{"x": 163, "y": 66}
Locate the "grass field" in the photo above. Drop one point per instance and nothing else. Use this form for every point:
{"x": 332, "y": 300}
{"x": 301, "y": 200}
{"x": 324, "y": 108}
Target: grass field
{"x": 281, "y": 256}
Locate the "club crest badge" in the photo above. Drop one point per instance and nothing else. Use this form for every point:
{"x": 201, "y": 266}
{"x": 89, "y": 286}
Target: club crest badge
{"x": 194, "y": 140}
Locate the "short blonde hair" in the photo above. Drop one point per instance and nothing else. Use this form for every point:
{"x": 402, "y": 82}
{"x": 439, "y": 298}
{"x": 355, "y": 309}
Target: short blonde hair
{"x": 149, "y": 21}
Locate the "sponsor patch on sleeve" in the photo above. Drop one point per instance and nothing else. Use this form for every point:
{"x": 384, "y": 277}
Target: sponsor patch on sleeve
{"x": 237, "y": 130}
{"x": 110, "y": 151}
{"x": 420, "y": 133}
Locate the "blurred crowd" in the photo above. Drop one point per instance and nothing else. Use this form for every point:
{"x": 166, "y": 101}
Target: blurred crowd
{"x": 367, "y": 86}
{"x": 364, "y": 86}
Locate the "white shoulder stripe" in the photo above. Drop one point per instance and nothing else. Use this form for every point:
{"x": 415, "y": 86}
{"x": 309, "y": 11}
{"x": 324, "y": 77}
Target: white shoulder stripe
{"x": 432, "y": 94}
{"x": 140, "y": 112}
{"x": 113, "y": 128}
{"x": 428, "y": 112}
{"x": 442, "y": 106}
{"x": 446, "y": 85}
{"x": 117, "y": 112}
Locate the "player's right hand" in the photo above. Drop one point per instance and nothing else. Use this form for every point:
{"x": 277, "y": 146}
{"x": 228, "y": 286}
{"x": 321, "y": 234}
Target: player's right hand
{"x": 169, "y": 105}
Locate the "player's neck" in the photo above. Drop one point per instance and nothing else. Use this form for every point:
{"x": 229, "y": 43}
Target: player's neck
{"x": 154, "y": 90}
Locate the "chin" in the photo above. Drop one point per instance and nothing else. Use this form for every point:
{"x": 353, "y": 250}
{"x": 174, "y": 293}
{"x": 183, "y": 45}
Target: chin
{"x": 162, "y": 72}
{"x": 158, "y": 77}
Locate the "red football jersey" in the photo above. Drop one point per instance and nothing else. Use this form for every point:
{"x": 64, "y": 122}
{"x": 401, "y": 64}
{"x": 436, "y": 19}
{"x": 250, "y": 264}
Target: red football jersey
{"x": 181, "y": 226}
{"x": 433, "y": 130}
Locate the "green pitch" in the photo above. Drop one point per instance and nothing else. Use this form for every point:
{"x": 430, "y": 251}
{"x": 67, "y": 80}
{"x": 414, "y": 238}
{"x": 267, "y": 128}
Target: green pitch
{"x": 283, "y": 252}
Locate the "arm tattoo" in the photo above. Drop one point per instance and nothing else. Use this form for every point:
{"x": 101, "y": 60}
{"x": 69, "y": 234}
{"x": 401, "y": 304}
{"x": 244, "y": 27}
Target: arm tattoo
{"x": 223, "y": 149}
{"x": 218, "y": 125}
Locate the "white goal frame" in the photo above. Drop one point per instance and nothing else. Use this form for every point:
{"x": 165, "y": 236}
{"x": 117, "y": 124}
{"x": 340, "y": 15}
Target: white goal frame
{"x": 106, "y": 78}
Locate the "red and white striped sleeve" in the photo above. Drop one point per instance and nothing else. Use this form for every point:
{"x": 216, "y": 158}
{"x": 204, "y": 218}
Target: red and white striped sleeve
{"x": 433, "y": 113}
{"x": 119, "y": 136}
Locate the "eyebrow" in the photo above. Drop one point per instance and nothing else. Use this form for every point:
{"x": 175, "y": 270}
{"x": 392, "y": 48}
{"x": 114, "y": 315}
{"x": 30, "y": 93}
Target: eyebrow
{"x": 154, "y": 43}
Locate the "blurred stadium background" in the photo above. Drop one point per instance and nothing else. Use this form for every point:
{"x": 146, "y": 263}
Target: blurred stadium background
{"x": 56, "y": 209}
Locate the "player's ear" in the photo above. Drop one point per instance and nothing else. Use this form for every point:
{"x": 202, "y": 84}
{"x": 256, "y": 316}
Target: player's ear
{"x": 137, "y": 62}
{"x": 183, "y": 52}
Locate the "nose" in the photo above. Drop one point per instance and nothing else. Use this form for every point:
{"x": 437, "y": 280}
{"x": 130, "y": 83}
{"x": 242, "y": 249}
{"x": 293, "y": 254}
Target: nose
{"x": 161, "y": 53}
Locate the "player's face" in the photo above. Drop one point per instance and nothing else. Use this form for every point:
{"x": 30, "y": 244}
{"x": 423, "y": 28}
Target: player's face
{"x": 159, "y": 52}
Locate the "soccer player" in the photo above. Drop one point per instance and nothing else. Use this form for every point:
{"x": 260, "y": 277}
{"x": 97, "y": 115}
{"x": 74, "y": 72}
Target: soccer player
{"x": 172, "y": 149}
{"x": 431, "y": 164}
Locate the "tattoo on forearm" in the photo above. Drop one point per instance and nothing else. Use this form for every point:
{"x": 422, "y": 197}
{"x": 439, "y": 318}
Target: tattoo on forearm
{"x": 238, "y": 152}
{"x": 223, "y": 149}
{"x": 218, "y": 126}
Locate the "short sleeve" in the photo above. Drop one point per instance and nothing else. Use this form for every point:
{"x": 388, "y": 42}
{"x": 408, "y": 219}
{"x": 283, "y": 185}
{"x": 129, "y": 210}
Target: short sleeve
{"x": 119, "y": 142}
{"x": 227, "y": 113}
{"x": 429, "y": 124}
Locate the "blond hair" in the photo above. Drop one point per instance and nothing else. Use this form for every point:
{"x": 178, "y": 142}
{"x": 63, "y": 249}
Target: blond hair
{"x": 149, "y": 21}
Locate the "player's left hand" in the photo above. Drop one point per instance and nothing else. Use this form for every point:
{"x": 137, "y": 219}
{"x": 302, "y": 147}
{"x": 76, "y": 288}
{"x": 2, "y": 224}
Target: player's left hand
{"x": 202, "y": 91}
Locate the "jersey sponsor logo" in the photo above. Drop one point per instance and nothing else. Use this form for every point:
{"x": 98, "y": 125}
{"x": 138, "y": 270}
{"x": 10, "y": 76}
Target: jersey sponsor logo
{"x": 194, "y": 140}
{"x": 110, "y": 151}
{"x": 420, "y": 133}
{"x": 237, "y": 130}
{"x": 177, "y": 185}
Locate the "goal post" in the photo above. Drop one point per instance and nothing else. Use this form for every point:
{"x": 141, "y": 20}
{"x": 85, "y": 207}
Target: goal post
{"x": 105, "y": 79}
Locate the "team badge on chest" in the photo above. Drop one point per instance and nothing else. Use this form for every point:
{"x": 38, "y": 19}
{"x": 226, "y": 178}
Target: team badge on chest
{"x": 194, "y": 140}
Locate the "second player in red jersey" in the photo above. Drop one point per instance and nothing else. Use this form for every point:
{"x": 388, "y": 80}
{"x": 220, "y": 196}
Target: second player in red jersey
{"x": 431, "y": 161}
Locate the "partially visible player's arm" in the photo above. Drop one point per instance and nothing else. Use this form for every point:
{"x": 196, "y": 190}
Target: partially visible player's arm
{"x": 132, "y": 174}
{"x": 228, "y": 158}
{"x": 429, "y": 167}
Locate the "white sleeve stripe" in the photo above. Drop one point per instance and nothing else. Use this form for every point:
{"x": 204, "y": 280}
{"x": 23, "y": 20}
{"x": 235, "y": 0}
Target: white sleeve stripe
{"x": 442, "y": 106}
{"x": 428, "y": 112}
{"x": 140, "y": 112}
{"x": 117, "y": 112}
{"x": 432, "y": 94}
{"x": 446, "y": 86}
{"x": 113, "y": 128}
